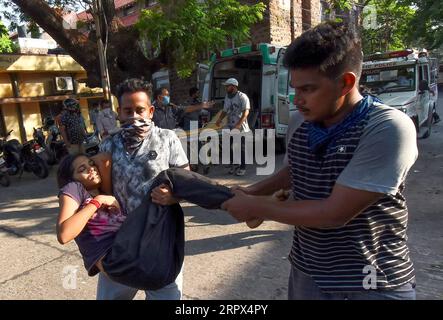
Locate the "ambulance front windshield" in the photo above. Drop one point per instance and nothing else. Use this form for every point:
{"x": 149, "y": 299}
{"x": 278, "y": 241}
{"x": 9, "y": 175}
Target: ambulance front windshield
{"x": 395, "y": 79}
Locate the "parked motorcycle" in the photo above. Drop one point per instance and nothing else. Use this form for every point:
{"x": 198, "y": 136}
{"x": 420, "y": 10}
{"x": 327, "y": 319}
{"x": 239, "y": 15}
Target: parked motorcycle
{"x": 54, "y": 144}
{"x": 24, "y": 157}
{"x": 4, "y": 176}
{"x": 40, "y": 148}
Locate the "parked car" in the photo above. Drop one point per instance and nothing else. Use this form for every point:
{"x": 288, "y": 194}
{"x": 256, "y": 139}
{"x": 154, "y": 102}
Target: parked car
{"x": 406, "y": 80}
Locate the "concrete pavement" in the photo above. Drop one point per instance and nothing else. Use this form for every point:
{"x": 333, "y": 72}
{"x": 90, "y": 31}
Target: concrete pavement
{"x": 224, "y": 259}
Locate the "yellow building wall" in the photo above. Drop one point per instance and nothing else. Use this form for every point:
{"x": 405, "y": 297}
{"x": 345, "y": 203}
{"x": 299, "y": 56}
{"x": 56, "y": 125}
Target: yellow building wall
{"x": 11, "y": 120}
{"x": 35, "y": 63}
{"x": 83, "y": 88}
{"x": 5, "y": 86}
{"x": 35, "y": 84}
{"x": 31, "y": 117}
{"x": 114, "y": 103}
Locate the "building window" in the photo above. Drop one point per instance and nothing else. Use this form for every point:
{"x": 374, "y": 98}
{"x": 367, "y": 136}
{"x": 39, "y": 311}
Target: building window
{"x": 325, "y": 11}
{"x": 128, "y": 11}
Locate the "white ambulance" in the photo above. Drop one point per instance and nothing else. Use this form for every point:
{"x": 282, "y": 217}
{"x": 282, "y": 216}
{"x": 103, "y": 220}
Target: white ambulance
{"x": 261, "y": 76}
{"x": 406, "y": 80}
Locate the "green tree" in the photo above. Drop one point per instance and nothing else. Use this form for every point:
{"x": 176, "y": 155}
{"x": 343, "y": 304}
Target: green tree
{"x": 391, "y": 28}
{"x": 6, "y": 45}
{"x": 426, "y": 28}
{"x": 383, "y": 24}
{"x": 185, "y": 29}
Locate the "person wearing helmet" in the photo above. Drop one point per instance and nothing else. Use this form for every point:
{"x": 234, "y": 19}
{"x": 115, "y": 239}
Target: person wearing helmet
{"x": 72, "y": 126}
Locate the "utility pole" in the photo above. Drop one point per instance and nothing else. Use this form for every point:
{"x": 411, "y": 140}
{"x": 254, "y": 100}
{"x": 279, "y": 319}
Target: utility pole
{"x": 97, "y": 12}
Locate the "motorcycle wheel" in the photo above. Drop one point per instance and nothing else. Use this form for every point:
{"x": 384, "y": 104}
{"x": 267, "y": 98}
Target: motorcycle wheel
{"x": 4, "y": 180}
{"x": 15, "y": 163}
{"x": 39, "y": 167}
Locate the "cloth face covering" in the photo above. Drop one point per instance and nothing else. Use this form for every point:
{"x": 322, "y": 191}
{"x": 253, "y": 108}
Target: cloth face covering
{"x": 134, "y": 131}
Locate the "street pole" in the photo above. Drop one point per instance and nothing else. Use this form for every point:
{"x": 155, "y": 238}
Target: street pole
{"x": 104, "y": 74}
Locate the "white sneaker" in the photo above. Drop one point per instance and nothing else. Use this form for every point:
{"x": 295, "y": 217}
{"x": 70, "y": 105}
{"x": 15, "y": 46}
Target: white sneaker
{"x": 240, "y": 172}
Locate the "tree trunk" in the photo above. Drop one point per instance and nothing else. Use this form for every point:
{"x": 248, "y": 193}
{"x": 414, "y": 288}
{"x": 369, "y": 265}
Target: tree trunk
{"x": 47, "y": 18}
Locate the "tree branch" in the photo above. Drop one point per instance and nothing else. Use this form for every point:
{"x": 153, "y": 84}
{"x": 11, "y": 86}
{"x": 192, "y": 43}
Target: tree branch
{"x": 71, "y": 40}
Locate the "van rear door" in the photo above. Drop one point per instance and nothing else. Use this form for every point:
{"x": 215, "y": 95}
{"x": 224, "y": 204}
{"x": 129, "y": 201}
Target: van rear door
{"x": 282, "y": 94}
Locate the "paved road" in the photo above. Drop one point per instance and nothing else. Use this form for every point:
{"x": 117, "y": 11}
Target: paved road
{"x": 224, "y": 259}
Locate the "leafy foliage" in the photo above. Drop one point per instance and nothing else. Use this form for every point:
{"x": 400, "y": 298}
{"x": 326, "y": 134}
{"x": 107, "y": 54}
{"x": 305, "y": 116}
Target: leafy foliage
{"x": 176, "y": 32}
{"x": 16, "y": 17}
{"x": 426, "y": 27}
{"x": 401, "y": 23}
{"x": 393, "y": 21}
{"x": 192, "y": 27}
{"x": 6, "y": 45}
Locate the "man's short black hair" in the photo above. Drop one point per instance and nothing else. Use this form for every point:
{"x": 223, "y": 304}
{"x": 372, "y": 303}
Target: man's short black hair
{"x": 104, "y": 101}
{"x": 134, "y": 85}
{"x": 159, "y": 92}
{"x": 193, "y": 91}
{"x": 333, "y": 47}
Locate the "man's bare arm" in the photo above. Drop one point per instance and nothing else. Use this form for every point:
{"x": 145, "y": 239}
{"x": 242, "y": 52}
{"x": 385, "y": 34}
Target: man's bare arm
{"x": 242, "y": 119}
{"x": 278, "y": 181}
{"x": 64, "y": 135}
{"x": 338, "y": 209}
{"x": 220, "y": 118}
{"x": 203, "y": 105}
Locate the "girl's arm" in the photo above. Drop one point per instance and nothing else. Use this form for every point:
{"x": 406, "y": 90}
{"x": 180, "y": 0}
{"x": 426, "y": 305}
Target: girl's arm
{"x": 70, "y": 222}
{"x": 103, "y": 161}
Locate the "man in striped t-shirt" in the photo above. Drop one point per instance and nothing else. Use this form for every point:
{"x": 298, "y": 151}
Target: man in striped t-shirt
{"x": 346, "y": 164}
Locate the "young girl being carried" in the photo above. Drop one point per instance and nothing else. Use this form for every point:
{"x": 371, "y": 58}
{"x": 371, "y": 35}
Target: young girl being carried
{"x": 87, "y": 215}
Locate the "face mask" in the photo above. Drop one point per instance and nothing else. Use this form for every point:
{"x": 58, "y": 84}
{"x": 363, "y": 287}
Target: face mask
{"x": 134, "y": 131}
{"x": 166, "y": 100}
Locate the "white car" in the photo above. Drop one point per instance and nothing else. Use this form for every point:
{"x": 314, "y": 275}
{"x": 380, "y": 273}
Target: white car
{"x": 406, "y": 80}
